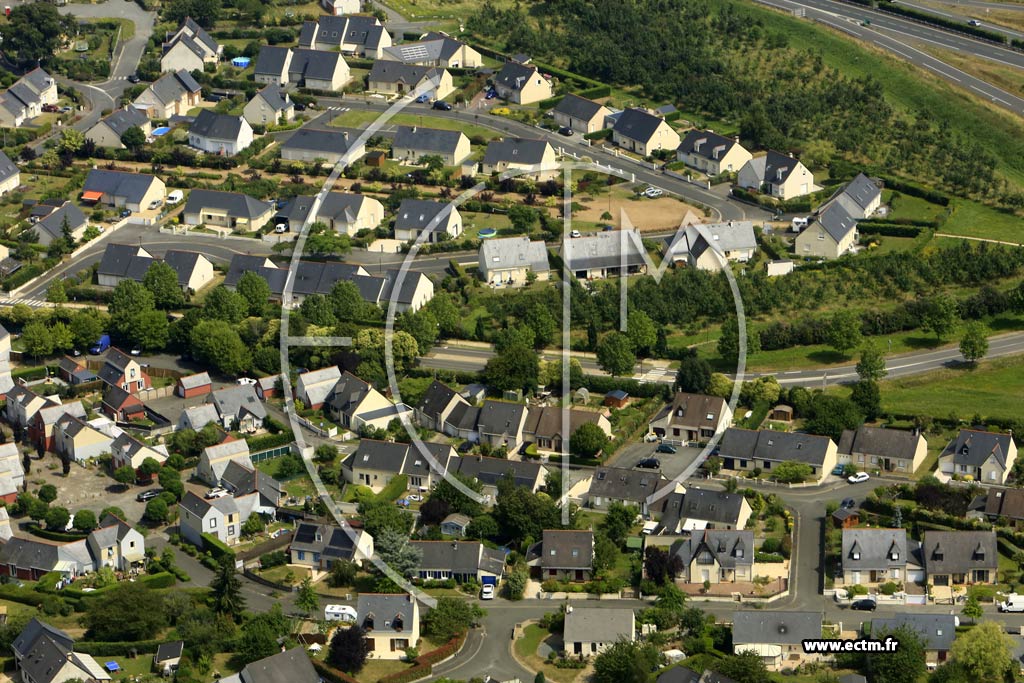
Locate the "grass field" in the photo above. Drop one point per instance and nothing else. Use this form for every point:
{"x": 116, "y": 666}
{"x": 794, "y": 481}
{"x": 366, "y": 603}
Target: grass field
{"x": 361, "y": 119}
{"x": 1008, "y": 78}
{"x": 977, "y": 220}
{"x": 419, "y": 10}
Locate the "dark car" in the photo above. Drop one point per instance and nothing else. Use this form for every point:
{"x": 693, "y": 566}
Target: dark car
{"x": 665, "y": 448}
{"x": 848, "y": 503}
{"x": 148, "y": 495}
{"x": 566, "y": 131}
{"x": 299, "y": 106}
{"x": 465, "y": 447}
{"x": 133, "y": 78}
{"x": 125, "y": 213}
{"x": 864, "y": 604}
{"x": 650, "y": 464}
{"x": 443, "y": 106}
{"x": 491, "y": 94}
{"x": 838, "y": 470}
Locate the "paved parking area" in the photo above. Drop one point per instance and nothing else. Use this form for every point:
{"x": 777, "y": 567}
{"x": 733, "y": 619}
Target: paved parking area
{"x": 85, "y": 488}
{"x": 672, "y": 464}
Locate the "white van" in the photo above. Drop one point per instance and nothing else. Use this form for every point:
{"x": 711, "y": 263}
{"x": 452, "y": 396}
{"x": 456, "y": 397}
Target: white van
{"x": 339, "y": 613}
{"x": 799, "y": 223}
{"x": 175, "y": 197}
{"x": 1013, "y": 603}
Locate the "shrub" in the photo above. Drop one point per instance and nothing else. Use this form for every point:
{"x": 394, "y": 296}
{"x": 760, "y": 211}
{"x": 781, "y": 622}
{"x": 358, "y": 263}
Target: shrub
{"x": 276, "y": 558}
{"x": 889, "y": 588}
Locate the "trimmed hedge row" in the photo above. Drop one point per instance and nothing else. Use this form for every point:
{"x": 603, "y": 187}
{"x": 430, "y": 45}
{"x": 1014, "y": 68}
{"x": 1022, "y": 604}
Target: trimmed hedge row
{"x": 424, "y": 665}
{"x": 25, "y": 596}
{"x": 330, "y": 674}
{"x": 216, "y": 547}
{"x": 596, "y": 92}
{"x": 51, "y": 535}
{"x": 265, "y": 442}
{"x": 604, "y": 384}
{"x": 888, "y": 229}
{"x": 931, "y": 196}
{"x": 900, "y": 221}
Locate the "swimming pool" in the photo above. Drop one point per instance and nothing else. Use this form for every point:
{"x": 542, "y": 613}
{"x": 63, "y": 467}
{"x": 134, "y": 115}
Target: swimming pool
{"x": 162, "y": 130}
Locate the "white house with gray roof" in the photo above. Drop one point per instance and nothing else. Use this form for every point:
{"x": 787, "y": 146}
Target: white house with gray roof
{"x": 694, "y": 509}
{"x": 220, "y": 133}
{"x": 313, "y": 388}
{"x": 959, "y": 558}
{"x": 108, "y": 131}
{"x": 24, "y": 100}
{"x": 523, "y": 157}
{"x": 117, "y": 545}
{"x": 643, "y": 133}
{"x": 239, "y": 408}
{"x": 330, "y": 146}
{"x": 411, "y": 143}
{"x": 119, "y": 189}
{"x": 777, "y": 175}
{"x": 522, "y": 84}
{"x": 375, "y": 463}
{"x": 269, "y": 106}
{"x": 132, "y": 262}
{"x": 607, "y": 485}
{"x": 395, "y": 78}
{"x": 343, "y": 212}
{"x": 775, "y": 635}
{"x": 580, "y": 114}
{"x": 508, "y": 261}
{"x": 893, "y": 451}
{"x": 51, "y": 227}
{"x": 875, "y": 556}
{"x": 230, "y": 210}
{"x": 459, "y": 560}
{"x": 861, "y": 197}
{"x": 936, "y": 631}
{"x": 10, "y": 174}
{"x": 590, "y": 631}
{"x": 435, "y": 49}
{"x": 190, "y": 49}
{"x": 214, "y": 460}
{"x": 440, "y": 220}
{"x": 711, "y": 153}
{"x": 712, "y": 246}
{"x": 985, "y": 457}
{"x": 744, "y": 449}
{"x": 603, "y": 254}
{"x": 359, "y": 35}
{"x": 715, "y": 556}
{"x": 173, "y": 94}
{"x": 391, "y": 622}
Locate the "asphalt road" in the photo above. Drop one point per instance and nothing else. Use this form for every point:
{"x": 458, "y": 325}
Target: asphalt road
{"x": 1012, "y": 6}
{"x": 963, "y": 18}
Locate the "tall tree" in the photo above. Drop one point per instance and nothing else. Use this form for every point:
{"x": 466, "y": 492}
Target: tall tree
{"x": 984, "y": 652}
{"x": 642, "y": 332}
{"x": 615, "y": 354}
{"x": 35, "y": 32}
{"x": 128, "y": 612}
{"x": 449, "y": 618}
{"x": 255, "y": 290}
{"x": 226, "y": 590}
{"x": 133, "y": 138}
{"x": 844, "y": 331}
{"x": 217, "y": 343}
{"x": 224, "y": 304}
{"x": 397, "y": 552}
{"x": 906, "y": 663}
{"x": 939, "y": 315}
{"x": 974, "y": 343}
{"x": 348, "y": 649}
{"x": 588, "y": 440}
{"x": 694, "y": 374}
{"x": 746, "y": 667}
{"x": 871, "y": 365}
{"x": 162, "y": 281}
{"x": 516, "y": 367}
{"x": 626, "y": 662}
{"x": 866, "y": 396}
{"x": 306, "y": 599}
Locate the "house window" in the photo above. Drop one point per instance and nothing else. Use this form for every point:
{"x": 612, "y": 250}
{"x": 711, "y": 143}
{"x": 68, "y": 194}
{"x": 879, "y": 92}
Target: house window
{"x": 821, "y": 235}
{"x": 302, "y": 554}
{"x": 231, "y": 530}
{"x": 894, "y": 556}
{"x": 131, "y": 545}
{"x": 575, "y": 552}
{"x": 398, "y": 644}
{"x": 131, "y": 373}
{"x": 856, "y": 556}
{"x": 213, "y": 523}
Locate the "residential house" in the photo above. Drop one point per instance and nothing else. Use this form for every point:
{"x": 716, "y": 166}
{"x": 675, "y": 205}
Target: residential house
{"x": 743, "y": 449}
{"x": 459, "y": 560}
{"x": 329, "y": 146}
{"x": 272, "y": 63}
{"x": 605, "y": 254}
{"x": 777, "y": 175}
{"x": 391, "y": 622}
{"x": 24, "y": 100}
{"x": 510, "y": 260}
{"x": 544, "y": 424}
{"x": 129, "y": 451}
{"x": 375, "y": 463}
{"x": 248, "y": 483}
{"x": 121, "y": 406}
{"x": 489, "y": 471}
{"x": 832, "y": 234}
{"x": 121, "y": 370}
{"x": 580, "y": 115}
{"x": 45, "y": 655}
{"x": 313, "y": 388}
{"x": 231, "y": 210}
{"x": 936, "y": 631}
{"x": 355, "y": 404}
{"x": 590, "y": 631}
{"x": 122, "y": 190}
{"x": 221, "y": 134}
{"x": 641, "y": 132}
{"x": 173, "y": 94}
{"x": 691, "y": 417}
{"x": 889, "y": 450}
{"x": 340, "y": 7}
{"x": 343, "y": 212}
{"x": 321, "y": 545}
{"x": 711, "y": 153}
{"x": 117, "y": 545}
{"x": 861, "y": 197}
{"x": 191, "y": 386}
{"x": 10, "y": 175}
{"x": 776, "y": 635}
{"x": 318, "y": 70}
{"x": 269, "y": 107}
{"x": 21, "y": 406}
{"x": 522, "y": 84}
{"x": 108, "y": 131}
{"x": 268, "y": 387}
{"x": 288, "y": 665}
{"x": 412, "y": 143}
{"x": 695, "y": 509}
{"x": 219, "y": 517}
{"x": 455, "y": 524}
{"x": 501, "y": 424}
{"x": 874, "y": 556}
{"x": 40, "y": 427}
{"x": 959, "y": 558}
{"x": 521, "y": 158}
{"x": 168, "y": 657}
{"x": 440, "y": 220}
{"x": 1005, "y": 506}
{"x": 396, "y": 78}
{"x": 239, "y": 408}
{"x": 78, "y": 440}
{"x": 190, "y": 49}
{"x": 132, "y": 262}
{"x": 51, "y": 227}
{"x": 562, "y": 555}
{"x": 715, "y": 556}
{"x": 362, "y": 36}
{"x": 435, "y": 49}
{"x": 12, "y": 473}
{"x": 632, "y": 487}
{"x": 982, "y": 456}
{"x": 438, "y": 401}
{"x": 712, "y": 246}
{"x": 28, "y": 559}
{"x": 214, "y": 460}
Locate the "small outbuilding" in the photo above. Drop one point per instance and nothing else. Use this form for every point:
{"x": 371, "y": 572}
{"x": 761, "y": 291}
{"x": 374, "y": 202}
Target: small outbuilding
{"x": 782, "y": 413}
{"x": 616, "y": 398}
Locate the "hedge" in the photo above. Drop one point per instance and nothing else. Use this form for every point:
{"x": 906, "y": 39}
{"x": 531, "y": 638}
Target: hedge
{"x": 25, "y": 596}
{"x": 51, "y": 535}
{"x": 931, "y": 196}
{"x": 596, "y": 92}
{"x": 216, "y": 547}
{"x": 101, "y": 649}
{"x": 330, "y": 674}
{"x": 152, "y": 581}
{"x": 30, "y": 374}
{"x": 395, "y": 488}
{"x": 888, "y": 229}
{"x": 265, "y": 442}
{"x": 424, "y": 665}
{"x": 550, "y": 102}
{"x": 603, "y": 134}
{"x": 769, "y": 558}
{"x": 901, "y": 221}
{"x": 603, "y": 384}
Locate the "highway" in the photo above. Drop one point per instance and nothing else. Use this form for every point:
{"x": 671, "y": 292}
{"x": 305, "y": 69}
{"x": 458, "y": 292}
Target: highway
{"x": 963, "y": 18}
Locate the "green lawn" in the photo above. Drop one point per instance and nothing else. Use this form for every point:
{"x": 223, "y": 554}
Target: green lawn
{"x": 977, "y": 220}
{"x": 361, "y": 119}
{"x": 906, "y": 206}
{"x": 419, "y": 10}
{"x": 376, "y": 669}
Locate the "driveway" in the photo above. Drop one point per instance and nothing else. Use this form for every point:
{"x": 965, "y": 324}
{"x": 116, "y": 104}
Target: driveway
{"x": 672, "y": 464}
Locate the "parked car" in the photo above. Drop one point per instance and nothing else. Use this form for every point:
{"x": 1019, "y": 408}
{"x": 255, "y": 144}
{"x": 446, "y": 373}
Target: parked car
{"x": 566, "y": 131}
{"x": 973, "y": 22}
{"x": 491, "y": 94}
{"x": 51, "y": 108}
{"x": 281, "y": 227}
{"x": 155, "y": 204}
{"x": 575, "y": 233}
{"x": 653, "y": 192}
{"x": 125, "y": 213}
{"x": 175, "y": 196}
{"x": 299, "y": 106}
{"x": 245, "y": 381}
{"x": 442, "y": 105}
{"x": 148, "y": 495}
{"x": 665, "y": 448}
{"x": 465, "y": 447}
{"x": 649, "y": 464}
{"x": 864, "y": 604}
{"x": 838, "y": 470}
{"x": 133, "y": 78}
{"x": 216, "y": 493}
{"x": 423, "y": 98}
{"x": 848, "y": 503}
{"x": 487, "y": 592}
{"x": 136, "y": 351}
{"x": 858, "y": 478}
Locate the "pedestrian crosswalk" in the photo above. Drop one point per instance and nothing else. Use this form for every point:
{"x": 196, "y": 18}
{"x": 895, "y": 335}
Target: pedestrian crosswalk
{"x": 31, "y": 303}
{"x": 338, "y": 110}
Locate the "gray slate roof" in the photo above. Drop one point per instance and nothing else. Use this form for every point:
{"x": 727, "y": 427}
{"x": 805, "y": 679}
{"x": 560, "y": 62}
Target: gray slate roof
{"x": 616, "y": 483}
{"x": 432, "y": 48}
{"x": 238, "y": 400}
{"x": 385, "y": 71}
{"x": 722, "y": 237}
{"x": 893, "y": 443}
{"x": 170, "y": 87}
{"x": 316, "y": 140}
{"x": 775, "y": 627}
{"x": 276, "y": 98}
{"x": 217, "y": 126}
{"x": 958, "y": 552}
{"x": 501, "y": 417}
{"x": 719, "y": 507}
{"x": 417, "y": 214}
{"x": 463, "y": 557}
{"x": 378, "y": 612}
{"x": 271, "y": 60}
{"x": 489, "y": 471}
{"x": 325, "y": 539}
{"x": 430, "y": 140}
{"x": 200, "y": 379}
{"x": 596, "y": 625}
{"x": 862, "y": 191}
{"x": 53, "y": 224}
{"x": 567, "y": 549}
{"x": 973, "y": 448}
{"x": 8, "y": 169}
{"x": 123, "y": 119}
{"x": 778, "y": 166}
{"x": 578, "y": 107}
{"x": 602, "y": 250}
{"x": 132, "y": 186}
{"x": 775, "y": 446}
{"x": 731, "y": 548}
{"x": 291, "y": 665}
{"x": 514, "y": 75}
{"x": 516, "y": 150}
{"x": 36, "y": 628}
{"x": 707, "y": 144}
{"x": 836, "y": 221}
{"x": 514, "y": 252}
{"x": 936, "y": 630}
{"x": 316, "y": 64}
{"x": 867, "y": 549}
{"x": 637, "y": 124}
{"x": 234, "y": 203}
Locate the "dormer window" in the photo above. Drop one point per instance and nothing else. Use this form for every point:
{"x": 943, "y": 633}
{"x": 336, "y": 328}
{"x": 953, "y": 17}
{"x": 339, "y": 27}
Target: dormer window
{"x": 856, "y": 555}
{"x": 894, "y": 556}
{"x": 739, "y": 552}
{"x": 575, "y": 552}
{"x": 397, "y": 623}
{"x": 368, "y": 622}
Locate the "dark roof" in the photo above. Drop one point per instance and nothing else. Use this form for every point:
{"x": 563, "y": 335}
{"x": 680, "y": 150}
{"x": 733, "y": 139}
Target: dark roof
{"x": 183, "y": 263}
{"x": 867, "y": 549}
{"x": 387, "y": 456}
{"x": 775, "y": 627}
{"x": 32, "y": 632}
{"x": 893, "y": 443}
{"x": 131, "y": 186}
{"x": 171, "y": 650}
{"x": 238, "y": 400}
{"x": 385, "y": 71}
{"x": 385, "y": 612}
{"x": 775, "y": 446}
{"x": 417, "y": 214}
{"x": 958, "y": 552}
{"x": 546, "y": 421}
{"x": 275, "y": 96}
{"x": 348, "y": 392}
{"x": 778, "y": 166}
{"x": 637, "y": 124}
{"x": 325, "y": 539}
{"x": 123, "y": 119}
{"x": 170, "y": 87}
{"x": 271, "y": 60}
{"x": 936, "y": 630}
{"x": 501, "y": 417}
{"x": 316, "y": 64}
{"x": 693, "y": 410}
{"x": 217, "y": 126}
{"x": 118, "y": 398}
{"x": 310, "y": 139}
{"x": 862, "y": 190}
{"x": 567, "y": 549}
{"x": 836, "y": 221}
{"x": 718, "y": 507}
{"x": 517, "y": 150}
{"x": 118, "y": 259}
{"x": 7, "y": 167}
{"x": 25, "y": 553}
{"x": 462, "y": 557}
{"x": 54, "y": 223}
{"x": 427, "y": 139}
{"x": 291, "y": 665}
{"x": 489, "y": 471}
{"x": 604, "y": 250}
{"x": 678, "y": 674}
{"x": 234, "y": 203}
{"x": 728, "y": 547}
{"x": 244, "y": 480}
{"x": 973, "y": 448}
{"x": 45, "y": 659}
{"x": 436, "y": 398}
{"x": 1005, "y": 503}
{"x": 355, "y": 29}
{"x": 621, "y": 484}
{"x": 514, "y": 75}
{"x": 706, "y": 144}
{"x": 578, "y": 107}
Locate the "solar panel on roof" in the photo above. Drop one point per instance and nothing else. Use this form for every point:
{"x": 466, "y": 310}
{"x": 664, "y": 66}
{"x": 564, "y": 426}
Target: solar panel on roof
{"x": 414, "y": 52}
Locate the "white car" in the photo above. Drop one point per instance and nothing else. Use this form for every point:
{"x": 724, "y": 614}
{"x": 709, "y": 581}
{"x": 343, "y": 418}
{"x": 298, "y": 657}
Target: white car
{"x": 216, "y": 493}
{"x": 487, "y": 592}
{"x": 653, "y": 192}
{"x": 575, "y": 233}
{"x": 858, "y": 478}
{"x": 281, "y": 228}
{"x": 175, "y": 197}
{"x": 245, "y": 381}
